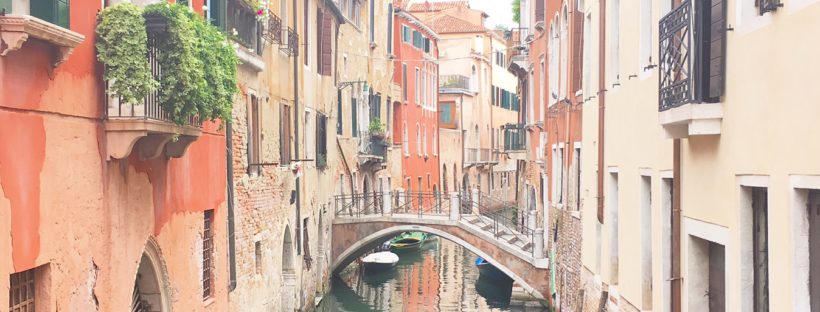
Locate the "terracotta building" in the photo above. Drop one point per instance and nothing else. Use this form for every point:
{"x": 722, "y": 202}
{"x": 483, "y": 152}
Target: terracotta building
{"x": 104, "y": 207}
{"x": 415, "y": 119}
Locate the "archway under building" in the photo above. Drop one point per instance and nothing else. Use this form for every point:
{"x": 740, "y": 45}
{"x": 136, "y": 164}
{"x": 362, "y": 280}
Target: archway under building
{"x": 150, "y": 293}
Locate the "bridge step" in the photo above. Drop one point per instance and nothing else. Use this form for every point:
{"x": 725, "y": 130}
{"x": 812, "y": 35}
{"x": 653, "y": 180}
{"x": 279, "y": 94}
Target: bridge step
{"x": 513, "y": 240}
{"x": 527, "y": 247}
{"x": 475, "y": 221}
{"x": 487, "y": 227}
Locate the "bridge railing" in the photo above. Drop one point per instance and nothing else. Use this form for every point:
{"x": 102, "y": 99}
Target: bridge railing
{"x": 360, "y": 204}
{"x": 504, "y": 218}
{"x": 422, "y": 203}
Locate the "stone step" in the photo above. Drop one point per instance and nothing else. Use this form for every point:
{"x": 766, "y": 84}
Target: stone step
{"x": 527, "y": 247}
{"x": 487, "y": 227}
{"x": 513, "y": 239}
{"x": 475, "y": 220}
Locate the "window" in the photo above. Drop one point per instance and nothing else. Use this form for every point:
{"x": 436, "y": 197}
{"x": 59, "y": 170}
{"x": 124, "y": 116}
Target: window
{"x": 586, "y": 48}
{"x": 321, "y": 141}
{"x": 614, "y": 44}
{"x": 423, "y": 86}
{"x": 424, "y": 141}
{"x": 324, "y": 34}
{"x": 646, "y": 35}
{"x": 418, "y": 139}
{"x": 372, "y": 21}
{"x": 22, "y": 291}
{"x": 405, "y": 34}
{"x": 405, "y": 140}
{"x": 389, "y": 28}
{"x": 354, "y": 116}
{"x": 284, "y": 134}
{"x": 435, "y": 142}
{"x": 612, "y": 219}
{"x": 710, "y": 65}
{"x": 562, "y": 87}
{"x": 418, "y": 40}
{"x": 216, "y": 13}
{"x": 5, "y": 6}
{"x": 208, "y": 255}
{"x": 542, "y": 105}
{"x": 339, "y": 120}
{"x": 404, "y": 82}
{"x": 417, "y": 99}
{"x": 765, "y": 6}
{"x": 447, "y": 118}
{"x": 53, "y": 11}
{"x": 310, "y": 135}
{"x": 257, "y": 252}
{"x": 646, "y": 242}
{"x": 760, "y": 241}
{"x": 254, "y": 137}
{"x": 306, "y": 242}
{"x": 426, "y": 45}
{"x": 539, "y": 11}
{"x": 305, "y": 31}
{"x": 283, "y": 14}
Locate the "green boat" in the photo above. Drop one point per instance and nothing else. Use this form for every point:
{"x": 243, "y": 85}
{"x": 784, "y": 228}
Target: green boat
{"x": 407, "y": 241}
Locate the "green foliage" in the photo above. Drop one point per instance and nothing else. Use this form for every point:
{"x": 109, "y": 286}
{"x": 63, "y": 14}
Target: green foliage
{"x": 121, "y": 47}
{"x": 516, "y": 8}
{"x": 220, "y": 61}
{"x": 376, "y": 127}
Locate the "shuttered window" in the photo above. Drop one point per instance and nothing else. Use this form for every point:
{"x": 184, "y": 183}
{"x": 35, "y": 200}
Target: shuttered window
{"x": 767, "y": 5}
{"x": 354, "y": 124}
{"x": 405, "y": 34}
{"x": 339, "y": 120}
{"x": 284, "y": 134}
{"x": 325, "y": 46}
{"x": 577, "y": 49}
{"x": 539, "y": 10}
{"x": 427, "y": 45}
{"x": 306, "y": 34}
{"x": 52, "y": 11}
{"x": 389, "y": 28}
{"x": 404, "y": 82}
{"x": 254, "y": 137}
{"x": 5, "y": 6}
{"x": 418, "y": 40}
{"x": 321, "y": 141}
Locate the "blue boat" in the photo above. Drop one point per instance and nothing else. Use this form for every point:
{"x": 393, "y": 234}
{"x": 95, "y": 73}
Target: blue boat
{"x": 490, "y": 271}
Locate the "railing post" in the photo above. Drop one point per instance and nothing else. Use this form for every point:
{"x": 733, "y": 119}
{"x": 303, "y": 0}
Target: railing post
{"x": 387, "y": 199}
{"x": 538, "y": 244}
{"x": 476, "y": 210}
{"x": 531, "y": 219}
{"x": 455, "y": 206}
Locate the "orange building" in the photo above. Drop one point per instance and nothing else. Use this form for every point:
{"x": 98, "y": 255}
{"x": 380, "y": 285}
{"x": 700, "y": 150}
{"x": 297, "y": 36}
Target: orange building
{"x": 416, "y": 115}
{"x": 103, "y": 206}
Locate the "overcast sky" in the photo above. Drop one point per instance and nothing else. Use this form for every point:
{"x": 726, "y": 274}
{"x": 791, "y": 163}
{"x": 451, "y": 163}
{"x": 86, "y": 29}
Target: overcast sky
{"x": 500, "y": 11}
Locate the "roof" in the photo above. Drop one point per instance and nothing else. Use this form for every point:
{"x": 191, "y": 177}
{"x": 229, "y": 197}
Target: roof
{"x": 437, "y": 6}
{"x": 415, "y": 21}
{"x": 447, "y": 24}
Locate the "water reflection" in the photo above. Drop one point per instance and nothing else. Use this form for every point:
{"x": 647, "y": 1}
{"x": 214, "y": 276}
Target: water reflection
{"x": 440, "y": 277}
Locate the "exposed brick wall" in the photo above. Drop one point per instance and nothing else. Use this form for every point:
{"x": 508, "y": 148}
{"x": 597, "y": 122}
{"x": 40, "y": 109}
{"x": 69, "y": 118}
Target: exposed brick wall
{"x": 567, "y": 259}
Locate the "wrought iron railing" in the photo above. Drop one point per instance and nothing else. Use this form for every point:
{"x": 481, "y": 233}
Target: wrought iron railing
{"x": 373, "y": 145}
{"x": 421, "y": 203}
{"x": 506, "y": 223}
{"x": 243, "y": 26}
{"x": 149, "y": 108}
{"x": 675, "y": 37}
{"x": 454, "y": 82}
{"x": 273, "y": 29}
{"x": 360, "y": 204}
{"x": 515, "y": 137}
{"x": 292, "y": 40}
{"x": 480, "y": 156}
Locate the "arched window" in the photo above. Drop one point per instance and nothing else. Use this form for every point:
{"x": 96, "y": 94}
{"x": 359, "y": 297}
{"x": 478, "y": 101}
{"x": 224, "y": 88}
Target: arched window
{"x": 473, "y": 80}
{"x": 562, "y": 91}
{"x": 435, "y": 142}
{"x": 424, "y": 140}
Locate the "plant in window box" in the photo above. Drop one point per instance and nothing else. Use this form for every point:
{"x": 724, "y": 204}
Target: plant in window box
{"x": 376, "y": 129}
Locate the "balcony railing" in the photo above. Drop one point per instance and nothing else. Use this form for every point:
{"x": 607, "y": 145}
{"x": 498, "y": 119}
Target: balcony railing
{"x": 291, "y": 42}
{"x": 145, "y": 128}
{"x": 243, "y": 26}
{"x": 454, "y": 82}
{"x": 372, "y": 149}
{"x": 675, "y": 36}
{"x": 150, "y": 107}
{"x": 515, "y": 137}
{"x": 273, "y": 30}
{"x": 480, "y": 156}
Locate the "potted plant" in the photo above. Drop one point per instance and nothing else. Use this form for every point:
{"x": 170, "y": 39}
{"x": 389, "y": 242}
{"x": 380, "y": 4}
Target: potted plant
{"x": 376, "y": 129}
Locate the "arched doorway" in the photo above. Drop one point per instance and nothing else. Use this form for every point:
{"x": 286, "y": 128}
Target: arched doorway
{"x": 288, "y": 273}
{"x": 444, "y": 180}
{"x": 150, "y": 293}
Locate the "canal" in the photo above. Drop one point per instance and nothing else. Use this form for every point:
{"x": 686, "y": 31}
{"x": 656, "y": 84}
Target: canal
{"x": 440, "y": 277}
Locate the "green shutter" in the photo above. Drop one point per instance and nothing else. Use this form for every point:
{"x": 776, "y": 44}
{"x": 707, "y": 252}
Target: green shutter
{"x": 354, "y": 125}
{"x": 5, "y": 6}
{"x": 52, "y": 11}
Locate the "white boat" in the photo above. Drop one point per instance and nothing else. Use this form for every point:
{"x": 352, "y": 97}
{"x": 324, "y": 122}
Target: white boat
{"x": 380, "y": 261}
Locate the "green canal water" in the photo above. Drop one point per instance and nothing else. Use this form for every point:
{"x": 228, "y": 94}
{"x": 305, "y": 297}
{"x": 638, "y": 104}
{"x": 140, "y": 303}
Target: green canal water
{"x": 440, "y": 277}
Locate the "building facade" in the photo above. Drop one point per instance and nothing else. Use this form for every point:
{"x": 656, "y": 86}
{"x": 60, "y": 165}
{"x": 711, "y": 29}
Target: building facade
{"x": 417, "y": 117}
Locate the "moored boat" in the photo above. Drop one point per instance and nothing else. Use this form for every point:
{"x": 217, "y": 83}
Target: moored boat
{"x": 380, "y": 261}
{"x": 407, "y": 241}
{"x": 490, "y": 271}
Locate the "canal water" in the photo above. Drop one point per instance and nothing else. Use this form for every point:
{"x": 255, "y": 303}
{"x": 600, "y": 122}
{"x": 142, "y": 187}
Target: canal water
{"x": 440, "y": 277}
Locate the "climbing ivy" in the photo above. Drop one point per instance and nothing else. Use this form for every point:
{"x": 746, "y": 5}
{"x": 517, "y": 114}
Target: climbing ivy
{"x": 121, "y": 47}
{"x": 198, "y": 64}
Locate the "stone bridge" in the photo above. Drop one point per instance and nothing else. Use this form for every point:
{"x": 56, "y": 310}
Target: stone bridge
{"x": 365, "y": 221}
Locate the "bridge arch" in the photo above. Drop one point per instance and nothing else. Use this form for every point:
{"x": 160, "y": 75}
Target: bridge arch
{"x": 374, "y": 239}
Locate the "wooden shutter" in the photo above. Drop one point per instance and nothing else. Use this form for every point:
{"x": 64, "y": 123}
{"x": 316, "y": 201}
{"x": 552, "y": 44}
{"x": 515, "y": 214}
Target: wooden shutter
{"x": 539, "y": 10}
{"x": 389, "y": 28}
{"x": 284, "y": 135}
{"x": 320, "y": 39}
{"x": 354, "y": 125}
{"x": 577, "y": 50}
{"x": 327, "y": 46}
{"x": 717, "y": 49}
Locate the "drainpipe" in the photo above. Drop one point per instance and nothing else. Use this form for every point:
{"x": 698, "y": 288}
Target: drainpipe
{"x": 601, "y": 106}
{"x": 676, "y": 227}
{"x": 296, "y": 115}
{"x": 231, "y": 231}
